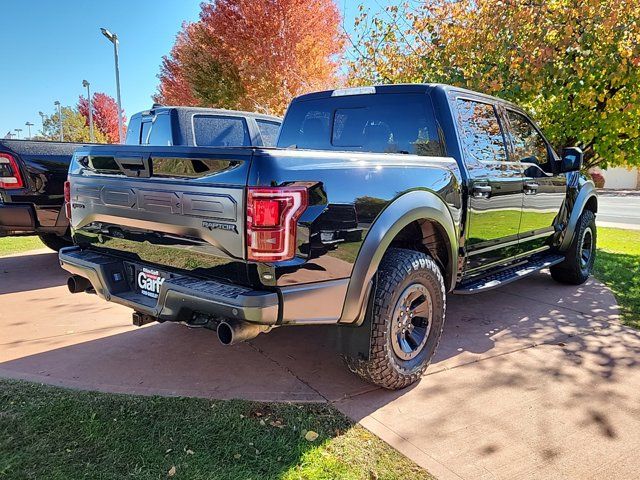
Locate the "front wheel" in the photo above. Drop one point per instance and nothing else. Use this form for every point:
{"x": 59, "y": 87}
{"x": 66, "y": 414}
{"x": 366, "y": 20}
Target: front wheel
{"x": 407, "y": 318}
{"x": 581, "y": 254}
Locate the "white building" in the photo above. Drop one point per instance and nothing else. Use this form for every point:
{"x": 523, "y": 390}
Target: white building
{"x": 622, "y": 178}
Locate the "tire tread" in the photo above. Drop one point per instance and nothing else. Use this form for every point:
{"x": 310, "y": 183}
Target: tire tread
{"x": 394, "y": 268}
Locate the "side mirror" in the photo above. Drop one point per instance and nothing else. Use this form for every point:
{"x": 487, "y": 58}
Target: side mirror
{"x": 571, "y": 160}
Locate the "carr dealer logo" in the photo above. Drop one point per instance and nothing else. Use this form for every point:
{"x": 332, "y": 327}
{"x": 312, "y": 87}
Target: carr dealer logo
{"x": 149, "y": 282}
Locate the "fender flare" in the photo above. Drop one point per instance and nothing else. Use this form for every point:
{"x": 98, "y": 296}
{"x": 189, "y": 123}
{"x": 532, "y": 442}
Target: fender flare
{"x": 586, "y": 193}
{"x": 409, "y": 207}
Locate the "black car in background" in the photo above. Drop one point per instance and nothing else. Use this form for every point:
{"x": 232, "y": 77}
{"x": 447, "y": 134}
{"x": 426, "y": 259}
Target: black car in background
{"x": 32, "y": 172}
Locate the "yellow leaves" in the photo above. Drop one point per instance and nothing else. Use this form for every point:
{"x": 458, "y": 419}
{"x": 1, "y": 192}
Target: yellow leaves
{"x": 311, "y": 436}
{"x": 172, "y": 471}
{"x": 576, "y": 63}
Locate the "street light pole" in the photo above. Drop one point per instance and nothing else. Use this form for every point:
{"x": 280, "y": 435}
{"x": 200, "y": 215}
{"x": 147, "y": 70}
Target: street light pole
{"x": 87, "y": 84}
{"x": 42, "y": 115}
{"x": 57, "y": 104}
{"x": 113, "y": 38}
{"x": 29, "y": 125}
{"x": 18, "y": 130}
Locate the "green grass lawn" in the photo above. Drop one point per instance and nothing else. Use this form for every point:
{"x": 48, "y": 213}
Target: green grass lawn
{"x": 618, "y": 265}
{"x": 54, "y": 433}
{"x": 10, "y": 245}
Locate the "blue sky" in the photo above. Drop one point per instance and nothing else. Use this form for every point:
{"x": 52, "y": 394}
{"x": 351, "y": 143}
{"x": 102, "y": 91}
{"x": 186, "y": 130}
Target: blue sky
{"x": 48, "y": 47}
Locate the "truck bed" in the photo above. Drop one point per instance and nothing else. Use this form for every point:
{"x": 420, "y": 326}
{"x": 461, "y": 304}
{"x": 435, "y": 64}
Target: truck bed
{"x": 178, "y": 207}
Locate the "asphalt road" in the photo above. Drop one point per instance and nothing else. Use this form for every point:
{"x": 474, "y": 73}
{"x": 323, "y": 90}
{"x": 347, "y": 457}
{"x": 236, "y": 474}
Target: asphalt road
{"x": 620, "y": 210}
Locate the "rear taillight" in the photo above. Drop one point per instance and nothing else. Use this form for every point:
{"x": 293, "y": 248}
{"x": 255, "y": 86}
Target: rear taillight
{"x": 272, "y": 220}
{"x": 10, "y": 177}
{"x": 67, "y": 199}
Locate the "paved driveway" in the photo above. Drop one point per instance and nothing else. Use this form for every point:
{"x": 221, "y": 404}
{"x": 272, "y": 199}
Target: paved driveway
{"x": 536, "y": 380}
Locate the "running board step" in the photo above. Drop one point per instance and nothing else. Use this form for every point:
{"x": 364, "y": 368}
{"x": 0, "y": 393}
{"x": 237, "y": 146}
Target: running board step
{"x": 507, "y": 275}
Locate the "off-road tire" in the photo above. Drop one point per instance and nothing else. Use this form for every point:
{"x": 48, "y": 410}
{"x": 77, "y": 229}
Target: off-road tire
{"x": 54, "y": 242}
{"x": 572, "y": 270}
{"x": 398, "y": 270}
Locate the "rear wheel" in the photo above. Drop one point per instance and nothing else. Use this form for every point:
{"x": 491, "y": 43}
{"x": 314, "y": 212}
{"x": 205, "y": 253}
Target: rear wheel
{"x": 407, "y": 318}
{"x": 54, "y": 242}
{"x": 580, "y": 256}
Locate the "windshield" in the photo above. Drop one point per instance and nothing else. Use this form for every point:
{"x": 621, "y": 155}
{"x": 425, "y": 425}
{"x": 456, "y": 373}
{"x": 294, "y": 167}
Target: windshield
{"x": 384, "y": 123}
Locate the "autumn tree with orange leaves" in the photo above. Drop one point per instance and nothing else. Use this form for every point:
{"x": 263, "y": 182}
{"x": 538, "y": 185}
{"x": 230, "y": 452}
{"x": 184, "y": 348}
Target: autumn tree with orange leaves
{"x": 253, "y": 54}
{"x": 575, "y": 64}
{"x": 105, "y": 117}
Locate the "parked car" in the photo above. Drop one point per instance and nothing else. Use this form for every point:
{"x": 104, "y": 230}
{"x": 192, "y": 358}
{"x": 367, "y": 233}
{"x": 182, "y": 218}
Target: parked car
{"x": 32, "y": 176}
{"x": 32, "y": 173}
{"x": 377, "y": 202}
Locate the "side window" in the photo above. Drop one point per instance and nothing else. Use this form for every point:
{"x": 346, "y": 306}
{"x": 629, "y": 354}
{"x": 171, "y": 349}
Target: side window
{"x": 268, "y": 132}
{"x": 218, "y": 131}
{"x": 144, "y": 135}
{"x": 480, "y": 132}
{"x": 133, "y": 131}
{"x": 528, "y": 144}
{"x": 161, "y": 134}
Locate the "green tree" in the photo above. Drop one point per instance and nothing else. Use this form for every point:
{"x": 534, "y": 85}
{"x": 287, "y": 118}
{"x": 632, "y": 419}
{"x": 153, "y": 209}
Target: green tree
{"x": 573, "y": 63}
{"x": 74, "y": 127}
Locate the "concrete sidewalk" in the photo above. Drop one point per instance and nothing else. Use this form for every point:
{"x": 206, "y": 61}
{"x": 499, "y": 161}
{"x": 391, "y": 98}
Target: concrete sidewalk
{"x": 536, "y": 380}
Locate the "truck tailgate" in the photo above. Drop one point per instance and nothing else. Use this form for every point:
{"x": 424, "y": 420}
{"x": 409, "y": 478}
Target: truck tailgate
{"x": 177, "y": 207}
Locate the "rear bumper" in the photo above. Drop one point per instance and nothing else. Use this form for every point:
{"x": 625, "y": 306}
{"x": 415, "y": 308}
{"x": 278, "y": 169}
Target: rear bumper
{"x": 179, "y": 298}
{"x": 17, "y": 218}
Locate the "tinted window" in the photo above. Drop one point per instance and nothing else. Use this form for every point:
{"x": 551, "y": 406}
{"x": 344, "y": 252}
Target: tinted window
{"x": 480, "y": 132}
{"x": 268, "y": 132}
{"x": 384, "y": 123}
{"x": 528, "y": 144}
{"x": 144, "y": 135}
{"x": 161, "y": 133}
{"x": 217, "y": 131}
{"x": 133, "y": 131}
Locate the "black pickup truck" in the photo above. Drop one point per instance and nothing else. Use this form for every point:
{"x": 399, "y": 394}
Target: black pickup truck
{"x": 32, "y": 173}
{"x": 32, "y": 176}
{"x": 376, "y": 203}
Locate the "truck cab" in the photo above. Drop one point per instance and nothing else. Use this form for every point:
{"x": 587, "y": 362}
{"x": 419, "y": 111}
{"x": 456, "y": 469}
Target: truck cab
{"x": 201, "y": 127}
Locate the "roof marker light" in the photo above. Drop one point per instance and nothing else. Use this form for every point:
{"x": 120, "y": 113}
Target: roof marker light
{"x": 342, "y": 92}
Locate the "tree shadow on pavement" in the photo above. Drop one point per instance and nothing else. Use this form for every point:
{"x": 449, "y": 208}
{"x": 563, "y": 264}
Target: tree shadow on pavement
{"x": 535, "y": 371}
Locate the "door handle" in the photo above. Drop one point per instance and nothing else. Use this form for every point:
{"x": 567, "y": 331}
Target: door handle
{"x": 531, "y": 188}
{"x": 481, "y": 191}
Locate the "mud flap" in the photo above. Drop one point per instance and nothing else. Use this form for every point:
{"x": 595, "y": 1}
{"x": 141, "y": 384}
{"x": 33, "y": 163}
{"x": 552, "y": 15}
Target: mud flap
{"x": 354, "y": 341}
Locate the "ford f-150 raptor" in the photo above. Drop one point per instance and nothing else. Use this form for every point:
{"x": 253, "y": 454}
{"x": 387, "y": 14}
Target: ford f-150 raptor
{"x": 376, "y": 203}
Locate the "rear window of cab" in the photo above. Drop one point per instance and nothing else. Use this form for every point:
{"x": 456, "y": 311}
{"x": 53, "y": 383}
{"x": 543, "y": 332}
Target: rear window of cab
{"x": 382, "y": 123}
